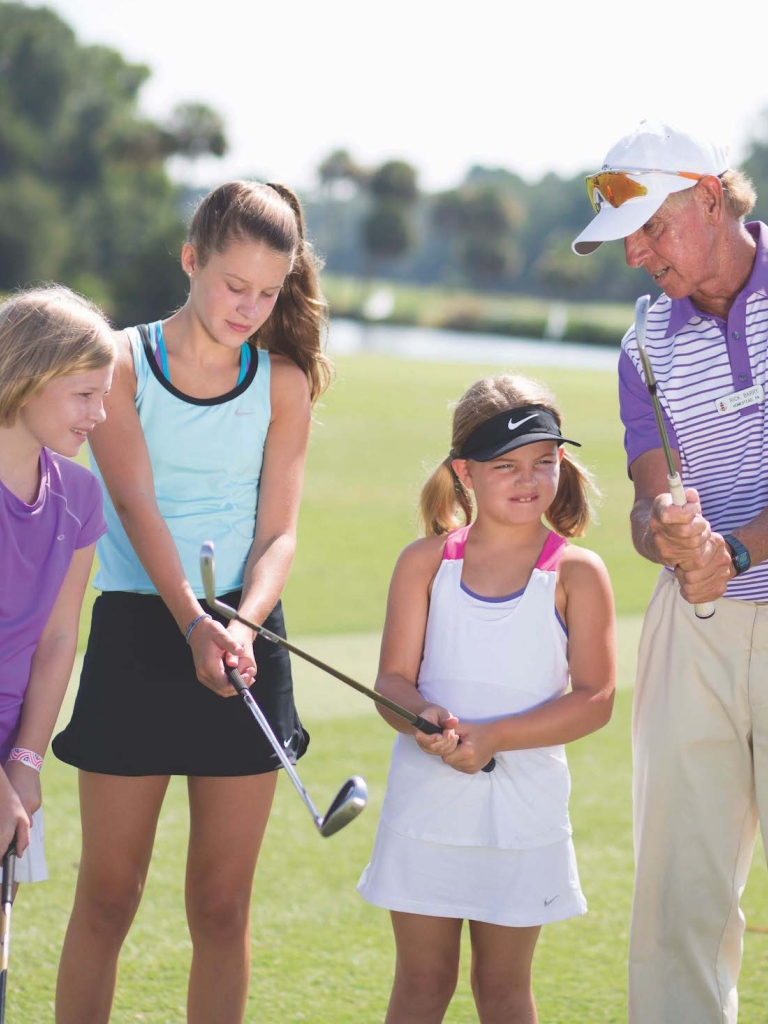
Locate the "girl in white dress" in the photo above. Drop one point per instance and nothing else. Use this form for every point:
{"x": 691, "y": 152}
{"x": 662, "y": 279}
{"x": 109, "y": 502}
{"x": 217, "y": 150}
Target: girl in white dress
{"x": 503, "y": 634}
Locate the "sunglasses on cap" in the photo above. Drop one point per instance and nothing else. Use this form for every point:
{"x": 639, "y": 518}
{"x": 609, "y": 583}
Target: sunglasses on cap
{"x": 616, "y": 187}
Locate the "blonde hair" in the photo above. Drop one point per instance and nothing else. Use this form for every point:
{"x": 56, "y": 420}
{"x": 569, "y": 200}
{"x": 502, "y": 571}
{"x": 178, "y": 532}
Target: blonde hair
{"x": 446, "y": 504}
{"x": 739, "y": 195}
{"x": 47, "y": 333}
{"x": 272, "y": 215}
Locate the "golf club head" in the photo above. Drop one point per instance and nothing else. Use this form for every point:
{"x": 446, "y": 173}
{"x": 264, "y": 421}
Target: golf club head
{"x": 642, "y": 306}
{"x": 208, "y": 571}
{"x": 347, "y": 804}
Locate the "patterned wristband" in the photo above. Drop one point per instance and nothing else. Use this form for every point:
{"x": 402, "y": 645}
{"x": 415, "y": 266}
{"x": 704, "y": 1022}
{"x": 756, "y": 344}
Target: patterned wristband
{"x": 192, "y": 625}
{"x": 27, "y": 757}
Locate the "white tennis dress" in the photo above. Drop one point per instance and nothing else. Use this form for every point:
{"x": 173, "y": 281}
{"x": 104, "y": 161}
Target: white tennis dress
{"x": 493, "y": 847}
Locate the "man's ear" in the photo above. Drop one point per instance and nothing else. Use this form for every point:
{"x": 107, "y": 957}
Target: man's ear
{"x": 709, "y": 192}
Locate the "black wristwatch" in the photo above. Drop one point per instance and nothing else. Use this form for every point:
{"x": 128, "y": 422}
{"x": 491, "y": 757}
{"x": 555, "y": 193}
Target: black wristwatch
{"x": 739, "y": 554}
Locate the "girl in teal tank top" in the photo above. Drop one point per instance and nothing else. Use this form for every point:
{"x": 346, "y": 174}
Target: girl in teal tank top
{"x": 206, "y": 439}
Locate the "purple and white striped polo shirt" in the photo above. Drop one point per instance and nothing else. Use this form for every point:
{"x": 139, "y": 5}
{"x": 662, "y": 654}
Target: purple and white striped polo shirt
{"x": 699, "y": 361}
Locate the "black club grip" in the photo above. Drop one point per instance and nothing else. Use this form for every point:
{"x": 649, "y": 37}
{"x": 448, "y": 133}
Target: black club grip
{"x": 431, "y": 729}
{"x": 235, "y": 678}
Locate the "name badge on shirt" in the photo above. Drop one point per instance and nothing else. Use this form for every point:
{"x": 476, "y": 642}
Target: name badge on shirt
{"x": 753, "y": 395}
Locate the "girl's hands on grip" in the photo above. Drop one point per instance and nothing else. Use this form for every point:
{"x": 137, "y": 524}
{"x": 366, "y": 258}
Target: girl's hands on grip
{"x": 438, "y": 743}
{"x": 245, "y": 663}
{"x": 210, "y": 642}
{"x": 14, "y": 820}
{"x": 474, "y": 749}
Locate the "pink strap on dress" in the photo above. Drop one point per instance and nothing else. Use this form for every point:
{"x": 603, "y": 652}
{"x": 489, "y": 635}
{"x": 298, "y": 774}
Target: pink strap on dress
{"x": 455, "y": 543}
{"x": 551, "y": 553}
{"x": 549, "y": 559}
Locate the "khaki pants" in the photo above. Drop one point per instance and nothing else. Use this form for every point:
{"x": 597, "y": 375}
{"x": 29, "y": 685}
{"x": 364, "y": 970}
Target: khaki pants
{"x": 700, "y": 742}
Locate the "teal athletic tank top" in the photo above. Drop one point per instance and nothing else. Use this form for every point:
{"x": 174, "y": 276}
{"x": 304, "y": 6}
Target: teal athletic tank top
{"x": 206, "y": 456}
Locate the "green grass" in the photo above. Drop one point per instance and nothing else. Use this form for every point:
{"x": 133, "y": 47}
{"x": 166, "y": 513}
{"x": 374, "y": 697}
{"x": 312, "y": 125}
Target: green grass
{"x": 320, "y": 953}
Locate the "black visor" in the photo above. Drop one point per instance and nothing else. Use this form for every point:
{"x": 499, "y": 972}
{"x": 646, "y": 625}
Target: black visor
{"x": 509, "y": 430}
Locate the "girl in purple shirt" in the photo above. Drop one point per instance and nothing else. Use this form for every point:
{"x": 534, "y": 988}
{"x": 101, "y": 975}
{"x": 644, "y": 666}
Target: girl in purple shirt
{"x": 56, "y": 359}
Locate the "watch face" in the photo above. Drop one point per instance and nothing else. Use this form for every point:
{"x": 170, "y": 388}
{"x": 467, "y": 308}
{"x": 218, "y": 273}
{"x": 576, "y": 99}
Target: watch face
{"x": 739, "y": 554}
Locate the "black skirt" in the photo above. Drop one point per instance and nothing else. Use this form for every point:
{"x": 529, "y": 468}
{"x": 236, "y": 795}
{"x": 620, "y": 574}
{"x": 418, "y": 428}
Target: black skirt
{"x": 140, "y": 709}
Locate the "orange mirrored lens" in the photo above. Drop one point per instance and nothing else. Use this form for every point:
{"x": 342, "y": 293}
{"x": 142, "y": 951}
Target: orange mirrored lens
{"x": 612, "y": 187}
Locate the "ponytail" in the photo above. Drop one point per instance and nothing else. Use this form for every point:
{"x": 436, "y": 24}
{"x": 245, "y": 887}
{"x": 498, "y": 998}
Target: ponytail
{"x": 298, "y": 324}
{"x": 570, "y": 512}
{"x": 443, "y": 496}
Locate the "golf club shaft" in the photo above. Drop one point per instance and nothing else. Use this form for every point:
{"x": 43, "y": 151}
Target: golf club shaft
{"x": 9, "y": 867}
{"x": 676, "y": 488}
{"x": 416, "y": 720}
{"x": 409, "y": 716}
{"x": 242, "y": 688}
{"x": 422, "y": 724}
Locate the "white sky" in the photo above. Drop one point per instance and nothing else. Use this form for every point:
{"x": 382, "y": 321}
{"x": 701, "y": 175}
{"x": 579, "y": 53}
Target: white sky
{"x": 531, "y": 86}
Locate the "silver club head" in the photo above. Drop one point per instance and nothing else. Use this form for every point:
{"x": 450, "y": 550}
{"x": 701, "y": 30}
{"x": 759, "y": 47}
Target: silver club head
{"x": 347, "y": 804}
{"x": 642, "y": 306}
{"x": 208, "y": 571}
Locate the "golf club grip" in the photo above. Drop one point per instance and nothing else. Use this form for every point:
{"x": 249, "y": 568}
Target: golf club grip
{"x": 432, "y": 730}
{"x": 235, "y": 678}
{"x": 424, "y": 726}
{"x": 677, "y": 490}
{"x": 9, "y": 871}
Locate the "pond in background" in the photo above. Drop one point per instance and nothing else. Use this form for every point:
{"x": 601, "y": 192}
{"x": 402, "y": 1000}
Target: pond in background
{"x": 348, "y": 337}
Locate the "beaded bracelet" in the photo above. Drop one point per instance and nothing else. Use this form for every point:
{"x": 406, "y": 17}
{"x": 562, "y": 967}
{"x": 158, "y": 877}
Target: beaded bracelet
{"x": 27, "y": 757}
{"x": 192, "y": 625}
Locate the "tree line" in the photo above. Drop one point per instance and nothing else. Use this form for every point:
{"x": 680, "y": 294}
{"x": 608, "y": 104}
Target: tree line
{"x": 493, "y": 232}
{"x": 86, "y": 198}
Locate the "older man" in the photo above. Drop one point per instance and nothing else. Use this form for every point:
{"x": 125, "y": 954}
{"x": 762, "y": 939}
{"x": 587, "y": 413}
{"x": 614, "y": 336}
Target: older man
{"x": 700, "y": 730}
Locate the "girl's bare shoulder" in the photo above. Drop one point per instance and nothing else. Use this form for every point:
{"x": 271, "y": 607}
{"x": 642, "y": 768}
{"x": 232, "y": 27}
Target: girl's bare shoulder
{"x": 288, "y": 382}
{"x": 422, "y": 556}
{"x": 582, "y": 568}
{"x": 122, "y": 346}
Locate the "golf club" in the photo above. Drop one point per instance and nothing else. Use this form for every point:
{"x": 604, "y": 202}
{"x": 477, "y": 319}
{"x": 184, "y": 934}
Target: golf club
{"x": 9, "y": 868}
{"x": 208, "y": 572}
{"x": 348, "y": 802}
{"x": 676, "y": 488}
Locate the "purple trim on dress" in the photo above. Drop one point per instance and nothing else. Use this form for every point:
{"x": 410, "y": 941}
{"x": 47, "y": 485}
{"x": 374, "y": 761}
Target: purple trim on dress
{"x": 491, "y": 600}
{"x": 564, "y": 627}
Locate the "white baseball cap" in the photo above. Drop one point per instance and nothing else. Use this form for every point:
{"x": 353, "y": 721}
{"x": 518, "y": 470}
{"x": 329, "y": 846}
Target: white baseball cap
{"x": 661, "y": 160}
